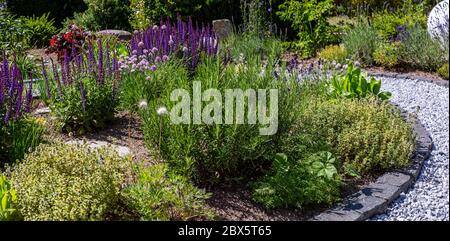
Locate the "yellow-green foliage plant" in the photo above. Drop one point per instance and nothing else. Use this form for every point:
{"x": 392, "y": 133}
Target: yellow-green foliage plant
{"x": 69, "y": 182}
{"x": 367, "y": 135}
{"x": 333, "y": 53}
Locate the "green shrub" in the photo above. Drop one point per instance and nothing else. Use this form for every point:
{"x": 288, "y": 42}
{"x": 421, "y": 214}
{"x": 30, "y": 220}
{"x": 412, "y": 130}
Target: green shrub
{"x": 13, "y": 35}
{"x": 83, "y": 93}
{"x": 420, "y": 51}
{"x": 355, "y": 84}
{"x": 75, "y": 113}
{"x": 151, "y": 11}
{"x": 7, "y": 201}
{"x": 443, "y": 71}
{"x": 104, "y": 14}
{"x": 19, "y": 137}
{"x": 295, "y": 183}
{"x": 69, "y": 182}
{"x": 387, "y": 55}
{"x": 215, "y": 152}
{"x": 365, "y": 135}
{"x": 138, "y": 86}
{"x": 58, "y": 9}
{"x": 161, "y": 195}
{"x": 308, "y": 18}
{"x": 361, "y": 42}
{"x": 239, "y": 47}
{"x": 387, "y": 23}
{"x": 40, "y": 29}
{"x": 333, "y": 53}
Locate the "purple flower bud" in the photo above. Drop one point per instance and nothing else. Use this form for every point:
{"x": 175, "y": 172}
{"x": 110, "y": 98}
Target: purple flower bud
{"x": 157, "y": 59}
{"x": 165, "y": 58}
{"x": 153, "y": 68}
{"x": 141, "y": 44}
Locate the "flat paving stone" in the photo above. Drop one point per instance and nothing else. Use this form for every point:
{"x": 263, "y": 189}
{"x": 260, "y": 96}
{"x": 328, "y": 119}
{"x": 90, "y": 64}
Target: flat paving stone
{"x": 121, "y": 150}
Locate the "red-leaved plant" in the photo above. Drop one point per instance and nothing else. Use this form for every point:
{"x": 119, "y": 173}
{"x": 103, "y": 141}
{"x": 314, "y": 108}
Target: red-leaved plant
{"x": 72, "y": 40}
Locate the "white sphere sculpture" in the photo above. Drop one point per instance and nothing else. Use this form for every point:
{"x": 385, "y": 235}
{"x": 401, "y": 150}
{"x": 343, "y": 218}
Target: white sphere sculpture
{"x": 438, "y": 22}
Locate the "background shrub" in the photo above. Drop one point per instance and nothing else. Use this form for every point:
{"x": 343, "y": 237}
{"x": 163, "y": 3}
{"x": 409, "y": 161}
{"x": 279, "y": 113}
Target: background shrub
{"x": 419, "y": 50}
{"x": 159, "y": 194}
{"x": 14, "y": 34}
{"x": 104, "y": 14}
{"x": 361, "y": 42}
{"x": 57, "y": 9}
{"x": 69, "y": 182}
{"x": 308, "y": 18}
{"x": 39, "y": 29}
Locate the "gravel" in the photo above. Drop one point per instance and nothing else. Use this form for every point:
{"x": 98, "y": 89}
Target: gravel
{"x": 428, "y": 199}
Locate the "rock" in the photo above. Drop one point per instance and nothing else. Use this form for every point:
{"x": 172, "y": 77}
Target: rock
{"x": 42, "y": 111}
{"x": 121, "y": 150}
{"x": 223, "y": 27}
{"x": 438, "y": 22}
{"x": 121, "y": 34}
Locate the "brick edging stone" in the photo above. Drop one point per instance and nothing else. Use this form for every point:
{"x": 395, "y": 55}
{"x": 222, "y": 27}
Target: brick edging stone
{"x": 375, "y": 197}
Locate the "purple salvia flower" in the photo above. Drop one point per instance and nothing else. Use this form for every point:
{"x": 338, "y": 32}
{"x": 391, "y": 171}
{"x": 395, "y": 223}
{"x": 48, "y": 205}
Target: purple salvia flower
{"x": 100, "y": 62}
{"x": 29, "y": 94}
{"x": 91, "y": 58}
{"x": 108, "y": 60}
{"x": 67, "y": 67}
{"x": 44, "y": 74}
{"x": 56, "y": 76}
{"x": 19, "y": 100}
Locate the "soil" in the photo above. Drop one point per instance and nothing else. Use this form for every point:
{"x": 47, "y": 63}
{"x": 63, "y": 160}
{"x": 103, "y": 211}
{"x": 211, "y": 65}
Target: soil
{"x": 124, "y": 130}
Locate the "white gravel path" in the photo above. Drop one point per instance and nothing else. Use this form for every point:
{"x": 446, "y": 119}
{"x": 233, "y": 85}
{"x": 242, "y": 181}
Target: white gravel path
{"x": 428, "y": 199}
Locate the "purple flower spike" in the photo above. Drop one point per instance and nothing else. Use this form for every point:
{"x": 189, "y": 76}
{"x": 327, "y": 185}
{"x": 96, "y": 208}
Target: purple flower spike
{"x": 19, "y": 100}
{"x": 108, "y": 60}
{"x": 29, "y": 94}
{"x": 56, "y": 76}
{"x": 100, "y": 62}
{"x": 83, "y": 95}
{"x": 44, "y": 74}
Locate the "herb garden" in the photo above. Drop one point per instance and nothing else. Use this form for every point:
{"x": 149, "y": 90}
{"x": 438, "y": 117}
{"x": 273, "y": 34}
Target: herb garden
{"x": 221, "y": 110}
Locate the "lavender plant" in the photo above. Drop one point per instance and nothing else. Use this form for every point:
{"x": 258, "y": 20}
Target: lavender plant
{"x": 82, "y": 89}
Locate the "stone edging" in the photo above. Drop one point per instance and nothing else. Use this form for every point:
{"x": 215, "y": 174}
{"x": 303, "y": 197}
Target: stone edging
{"x": 444, "y": 83}
{"x": 375, "y": 197}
